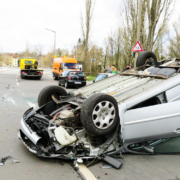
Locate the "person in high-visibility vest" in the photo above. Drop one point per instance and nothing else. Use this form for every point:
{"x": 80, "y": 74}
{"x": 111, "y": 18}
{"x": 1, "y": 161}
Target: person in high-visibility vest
{"x": 114, "y": 69}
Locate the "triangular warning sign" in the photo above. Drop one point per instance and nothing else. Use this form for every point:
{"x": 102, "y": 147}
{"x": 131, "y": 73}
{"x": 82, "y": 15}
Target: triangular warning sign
{"x": 137, "y": 47}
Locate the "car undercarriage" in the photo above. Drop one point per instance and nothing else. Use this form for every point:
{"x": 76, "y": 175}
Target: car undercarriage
{"x": 58, "y": 133}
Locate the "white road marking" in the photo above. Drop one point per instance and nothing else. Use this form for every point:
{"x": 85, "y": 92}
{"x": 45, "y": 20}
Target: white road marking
{"x": 11, "y": 100}
{"x": 86, "y": 172}
{"x": 3, "y": 70}
{"x": 17, "y": 84}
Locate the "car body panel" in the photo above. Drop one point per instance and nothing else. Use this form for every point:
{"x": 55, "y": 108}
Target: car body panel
{"x": 173, "y": 94}
{"x": 29, "y": 133}
{"x": 152, "y": 122}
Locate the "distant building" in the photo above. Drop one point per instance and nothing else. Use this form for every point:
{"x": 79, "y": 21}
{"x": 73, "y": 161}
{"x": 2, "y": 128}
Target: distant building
{"x": 15, "y": 62}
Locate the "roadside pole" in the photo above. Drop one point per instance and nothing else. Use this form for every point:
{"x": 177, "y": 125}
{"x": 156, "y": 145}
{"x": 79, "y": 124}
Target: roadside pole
{"x": 138, "y": 28}
{"x": 92, "y": 59}
{"x": 90, "y": 68}
{"x": 41, "y": 61}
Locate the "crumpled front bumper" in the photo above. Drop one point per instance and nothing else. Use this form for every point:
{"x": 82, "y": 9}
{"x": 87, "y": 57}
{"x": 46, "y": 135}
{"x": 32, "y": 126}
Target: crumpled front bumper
{"x": 28, "y": 132}
{"x": 20, "y": 138}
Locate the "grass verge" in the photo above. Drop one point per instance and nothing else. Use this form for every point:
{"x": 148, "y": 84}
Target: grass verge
{"x": 90, "y": 78}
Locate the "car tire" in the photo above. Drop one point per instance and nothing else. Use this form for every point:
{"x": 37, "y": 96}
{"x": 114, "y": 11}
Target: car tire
{"x": 55, "y": 78}
{"x": 22, "y": 77}
{"x": 45, "y": 94}
{"x": 59, "y": 84}
{"x": 103, "y": 106}
{"x": 66, "y": 84}
{"x": 144, "y": 56}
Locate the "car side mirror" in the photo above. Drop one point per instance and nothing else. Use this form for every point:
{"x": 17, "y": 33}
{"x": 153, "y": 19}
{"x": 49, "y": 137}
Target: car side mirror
{"x": 36, "y": 63}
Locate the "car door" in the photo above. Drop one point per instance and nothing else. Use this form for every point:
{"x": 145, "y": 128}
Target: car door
{"x": 105, "y": 76}
{"x": 156, "y": 121}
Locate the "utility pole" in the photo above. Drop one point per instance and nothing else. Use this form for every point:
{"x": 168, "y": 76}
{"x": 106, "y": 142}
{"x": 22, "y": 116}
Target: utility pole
{"x": 138, "y": 28}
{"x": 54, "y": 40}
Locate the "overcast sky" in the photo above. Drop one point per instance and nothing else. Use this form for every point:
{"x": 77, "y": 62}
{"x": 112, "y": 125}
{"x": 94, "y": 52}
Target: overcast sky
{"x": 24, "y": 21}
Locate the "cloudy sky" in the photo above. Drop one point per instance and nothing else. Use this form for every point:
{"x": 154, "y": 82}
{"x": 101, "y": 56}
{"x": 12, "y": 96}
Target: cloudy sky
{"x": 24, "y": 21}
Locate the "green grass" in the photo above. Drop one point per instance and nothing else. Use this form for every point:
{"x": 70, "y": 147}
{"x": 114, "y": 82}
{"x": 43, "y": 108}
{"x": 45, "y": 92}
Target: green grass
{"x": 90, "y": 78}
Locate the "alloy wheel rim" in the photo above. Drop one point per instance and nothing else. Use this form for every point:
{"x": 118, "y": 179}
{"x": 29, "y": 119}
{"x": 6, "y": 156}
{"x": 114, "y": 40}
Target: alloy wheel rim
{"x": 103, "y": 114}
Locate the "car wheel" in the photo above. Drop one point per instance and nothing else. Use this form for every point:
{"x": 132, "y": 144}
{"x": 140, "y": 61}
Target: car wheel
{"x": 66, "y": 84}
{"x": 99, "y": 114}
{"x": 55, "y": 77}
{"x": 59, "y": 84}
{"x": 146, "y": 57}
{"x": 46, "y": 93}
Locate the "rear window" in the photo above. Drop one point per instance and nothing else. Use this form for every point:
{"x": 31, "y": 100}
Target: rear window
{"x": 28, "y": 62}
{"x": 76, "y": 73}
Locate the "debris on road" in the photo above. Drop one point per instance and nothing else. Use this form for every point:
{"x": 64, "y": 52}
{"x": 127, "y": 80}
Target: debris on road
{"x": 13, "y": 161}
{"x": 112, "y": 161}
{"x": 106, "y": 166}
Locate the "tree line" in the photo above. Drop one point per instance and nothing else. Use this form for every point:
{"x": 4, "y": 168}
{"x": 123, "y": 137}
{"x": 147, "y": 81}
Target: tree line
{"x": 154, "y": 36}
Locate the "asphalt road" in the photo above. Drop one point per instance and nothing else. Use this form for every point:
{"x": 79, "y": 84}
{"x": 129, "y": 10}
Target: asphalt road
{"x": 16, "y": 96}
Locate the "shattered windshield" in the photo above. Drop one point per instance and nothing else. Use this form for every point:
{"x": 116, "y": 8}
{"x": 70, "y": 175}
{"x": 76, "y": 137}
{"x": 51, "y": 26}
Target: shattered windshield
{"x": 70, "y": 66}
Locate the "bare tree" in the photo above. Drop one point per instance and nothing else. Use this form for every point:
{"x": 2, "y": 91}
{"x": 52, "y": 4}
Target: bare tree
{"x": 27, "y": 50}
{"x": 39, "y": 53}
{"x": 154, "y": 18}
{"x": 174, "y": 40}
{"x": 48, "y": 59}
{"x": 86, "y": 27}
{"x": 158, "y": 11}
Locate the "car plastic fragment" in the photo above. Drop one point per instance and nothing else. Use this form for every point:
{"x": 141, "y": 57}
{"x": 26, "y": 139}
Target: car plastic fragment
{"x": 112, "y": 161}
{"x": 13, "y": 161}
{"x": 106, "y": 166}
{"x": 63, "y": 137}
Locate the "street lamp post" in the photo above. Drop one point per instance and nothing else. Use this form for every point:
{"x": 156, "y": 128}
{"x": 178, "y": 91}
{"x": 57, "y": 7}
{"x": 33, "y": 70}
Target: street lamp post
{"x": 54, "y": 39}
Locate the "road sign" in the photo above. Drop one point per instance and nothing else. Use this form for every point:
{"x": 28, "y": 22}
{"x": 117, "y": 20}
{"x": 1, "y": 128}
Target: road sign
{"x": 137, "y": 47}
{"x": 92, "y": 59}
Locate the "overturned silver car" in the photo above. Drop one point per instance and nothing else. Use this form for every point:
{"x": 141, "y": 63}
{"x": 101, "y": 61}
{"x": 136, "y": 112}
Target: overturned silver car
{"x": 137, "y": 111}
